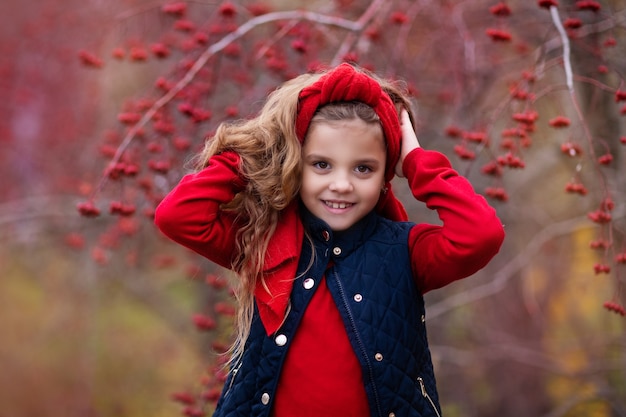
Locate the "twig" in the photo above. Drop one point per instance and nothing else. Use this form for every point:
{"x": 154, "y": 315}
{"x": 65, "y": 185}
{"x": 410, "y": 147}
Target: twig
{"x": 616, "y": 19}
{"x": 284, "y": 31}
{"x": 509, "y": 270}
{"x": 358, "y": 27}
{"x": 403, "y": 33}
{"x": 217, "y": 47}
{"x": 569, "y": 78}
{"x": 34, "y": 208}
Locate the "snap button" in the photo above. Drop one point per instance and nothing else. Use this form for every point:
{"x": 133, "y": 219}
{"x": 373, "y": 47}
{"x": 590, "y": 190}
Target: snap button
{"x": 337, "y": 251}
{"x": 423, "y": 318}
{"x": 326, "y": 235}
{"x": 308, "y": 283}
{"x": 265, "y": 398}
{"x": 281, "y": 340}
{"x": 378, "y": 357}
{"x": 358, "y": 298}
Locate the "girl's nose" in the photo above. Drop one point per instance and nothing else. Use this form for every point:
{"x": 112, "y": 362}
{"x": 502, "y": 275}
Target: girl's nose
{"x": 341, "y": 184}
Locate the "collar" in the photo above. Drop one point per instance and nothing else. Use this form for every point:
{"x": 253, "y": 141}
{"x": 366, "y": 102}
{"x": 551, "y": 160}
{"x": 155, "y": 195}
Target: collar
{"x": 283, "y": 254}
{"x": 342, "y": 243}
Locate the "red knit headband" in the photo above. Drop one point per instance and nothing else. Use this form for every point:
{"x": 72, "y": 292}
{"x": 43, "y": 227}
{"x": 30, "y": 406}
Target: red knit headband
{"x": 346, "y": 83}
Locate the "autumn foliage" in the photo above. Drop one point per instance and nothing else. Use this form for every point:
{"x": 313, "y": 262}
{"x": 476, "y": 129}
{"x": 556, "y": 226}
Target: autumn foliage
{"x": 205, "y": 59}
{"x": 527, "y": 98}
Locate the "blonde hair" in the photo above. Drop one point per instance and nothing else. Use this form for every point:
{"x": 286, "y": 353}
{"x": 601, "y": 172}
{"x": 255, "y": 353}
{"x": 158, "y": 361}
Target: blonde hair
{"x": 270, "y": 155}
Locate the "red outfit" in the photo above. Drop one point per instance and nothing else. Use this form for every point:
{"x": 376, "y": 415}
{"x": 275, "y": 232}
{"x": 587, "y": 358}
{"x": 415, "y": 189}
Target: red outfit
{"x": 320, "y": 375}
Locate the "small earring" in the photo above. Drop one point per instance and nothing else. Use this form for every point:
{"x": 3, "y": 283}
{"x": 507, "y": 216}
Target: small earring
{"x": 384, "y": 189}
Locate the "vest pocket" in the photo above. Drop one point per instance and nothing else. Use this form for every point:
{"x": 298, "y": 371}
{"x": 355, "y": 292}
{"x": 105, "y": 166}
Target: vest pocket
{"x": 420, "y": 380}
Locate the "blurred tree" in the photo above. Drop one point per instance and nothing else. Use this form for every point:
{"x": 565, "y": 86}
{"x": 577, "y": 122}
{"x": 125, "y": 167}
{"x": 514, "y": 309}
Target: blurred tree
{"x": 107, "y": 102}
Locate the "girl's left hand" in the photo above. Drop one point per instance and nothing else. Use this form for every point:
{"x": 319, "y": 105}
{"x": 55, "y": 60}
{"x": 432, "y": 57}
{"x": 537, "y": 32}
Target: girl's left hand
{"x": 409, "y": 140}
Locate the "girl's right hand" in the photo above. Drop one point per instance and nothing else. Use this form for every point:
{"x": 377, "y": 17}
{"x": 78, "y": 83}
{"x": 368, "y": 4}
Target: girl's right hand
{"x": 409, "y": 140}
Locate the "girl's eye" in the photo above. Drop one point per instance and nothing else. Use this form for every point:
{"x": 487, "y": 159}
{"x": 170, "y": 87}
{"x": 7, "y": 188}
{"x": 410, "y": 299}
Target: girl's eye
{"x": 321, "y": 165}
{"x": 363, "y": 169}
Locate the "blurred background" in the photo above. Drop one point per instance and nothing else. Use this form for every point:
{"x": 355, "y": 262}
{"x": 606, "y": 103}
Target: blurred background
{"x": 104, "y": 104}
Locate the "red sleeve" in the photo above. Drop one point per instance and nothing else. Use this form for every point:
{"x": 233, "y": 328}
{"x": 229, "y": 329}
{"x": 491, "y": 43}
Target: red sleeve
{"x": 191, "y": 213}
{"x": 471, "y": 233}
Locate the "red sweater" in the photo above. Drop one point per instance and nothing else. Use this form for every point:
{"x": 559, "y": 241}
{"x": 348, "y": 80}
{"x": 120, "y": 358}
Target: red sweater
{"x": 321, "y": 375}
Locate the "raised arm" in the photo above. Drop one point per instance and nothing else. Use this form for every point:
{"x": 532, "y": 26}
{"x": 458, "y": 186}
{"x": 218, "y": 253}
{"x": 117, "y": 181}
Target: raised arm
{"x": 191, "y": 213}
{"x": 471, "y": 233}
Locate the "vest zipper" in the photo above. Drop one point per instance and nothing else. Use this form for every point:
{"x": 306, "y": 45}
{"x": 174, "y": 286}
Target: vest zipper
{"x": 425, "y": 394}
{"x": 232, "y": 378}
{"x": 360, "y": 343}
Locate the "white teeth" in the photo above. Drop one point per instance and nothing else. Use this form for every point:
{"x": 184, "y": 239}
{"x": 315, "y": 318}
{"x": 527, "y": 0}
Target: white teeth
{"x": 337, "y": 205}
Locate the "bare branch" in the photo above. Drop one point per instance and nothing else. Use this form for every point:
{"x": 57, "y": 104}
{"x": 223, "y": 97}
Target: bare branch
{"x": 219, "y": 46}
{"x": 509, "y": 270}
{"x": 556, "y": 19}
{"x": 34, "y": 208}
{"x": 360, "y": 24}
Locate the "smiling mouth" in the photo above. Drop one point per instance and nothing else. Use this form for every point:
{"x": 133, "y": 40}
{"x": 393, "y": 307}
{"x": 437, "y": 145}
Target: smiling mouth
{"x": 335, "y": 205}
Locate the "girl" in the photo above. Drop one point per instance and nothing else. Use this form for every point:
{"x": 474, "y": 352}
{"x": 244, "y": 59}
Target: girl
{"x": 298, "y": 202}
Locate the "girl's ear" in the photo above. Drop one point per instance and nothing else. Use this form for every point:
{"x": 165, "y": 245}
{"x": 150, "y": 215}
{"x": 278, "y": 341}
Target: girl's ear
{"x": 384, "y": 187}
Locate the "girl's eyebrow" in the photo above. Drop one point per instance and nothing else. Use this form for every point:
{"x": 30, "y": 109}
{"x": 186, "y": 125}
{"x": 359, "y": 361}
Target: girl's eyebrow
{"x": 314, "y": 156}
{"x": 368, "y": 161}
{"x": 364, "y": 161}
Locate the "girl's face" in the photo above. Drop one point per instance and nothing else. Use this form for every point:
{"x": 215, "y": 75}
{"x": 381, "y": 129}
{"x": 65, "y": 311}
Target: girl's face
{"x": 343, "y": 172}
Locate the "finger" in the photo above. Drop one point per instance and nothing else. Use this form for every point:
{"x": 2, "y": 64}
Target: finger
{"x": 405, "y": 124}
{"x": 404, "y": 116}
{"x": 409, "y": 137}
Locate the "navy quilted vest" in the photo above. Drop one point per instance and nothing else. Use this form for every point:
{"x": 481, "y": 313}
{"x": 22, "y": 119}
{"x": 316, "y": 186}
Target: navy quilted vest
{"x": 383, "y": 312}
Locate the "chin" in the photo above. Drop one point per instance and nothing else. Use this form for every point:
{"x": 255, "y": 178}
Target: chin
{"x": 340, "y": 226}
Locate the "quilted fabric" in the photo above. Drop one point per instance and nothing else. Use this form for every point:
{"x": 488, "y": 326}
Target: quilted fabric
{"x": 386, "y": 326}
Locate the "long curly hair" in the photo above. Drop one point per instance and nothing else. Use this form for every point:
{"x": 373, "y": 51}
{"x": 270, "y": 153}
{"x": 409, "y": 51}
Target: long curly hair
{"x": 270, "y": 155}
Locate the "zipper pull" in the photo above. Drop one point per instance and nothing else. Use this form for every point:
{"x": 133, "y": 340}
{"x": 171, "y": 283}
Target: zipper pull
{"x": 425, "y": 394}
{"x": 422, "y": 386}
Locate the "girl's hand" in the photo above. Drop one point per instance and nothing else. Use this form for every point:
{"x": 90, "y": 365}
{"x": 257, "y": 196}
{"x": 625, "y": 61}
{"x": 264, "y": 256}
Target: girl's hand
{"x": 409, "y": 140}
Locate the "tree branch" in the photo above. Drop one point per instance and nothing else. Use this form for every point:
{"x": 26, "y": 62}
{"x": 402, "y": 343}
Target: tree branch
{"x": 201, "y": 61}
{"x": 509, "y": 270}
{"x": 34, "y": 208}
{"x": 556, "y": 19}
